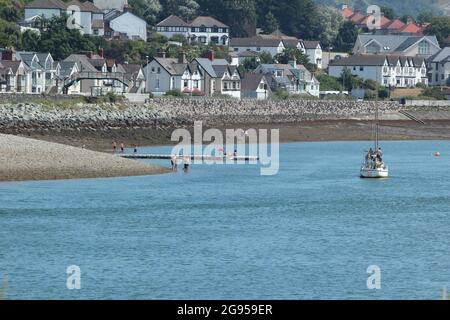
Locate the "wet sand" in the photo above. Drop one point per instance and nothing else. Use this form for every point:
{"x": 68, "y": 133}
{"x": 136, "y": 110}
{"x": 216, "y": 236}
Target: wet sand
{"x": 326, "y": 130}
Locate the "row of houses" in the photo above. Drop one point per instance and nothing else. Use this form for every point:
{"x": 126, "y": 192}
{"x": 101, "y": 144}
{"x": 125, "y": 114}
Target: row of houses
{"x": 113, "y": 21}
{"x": 274, "y": 44}
{"x": 83, "y": 74}
{"x": 396, "y": 60}
{"x": 208, "y": 76}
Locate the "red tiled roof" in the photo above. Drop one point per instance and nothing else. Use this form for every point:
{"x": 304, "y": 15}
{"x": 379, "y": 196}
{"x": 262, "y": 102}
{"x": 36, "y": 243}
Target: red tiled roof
{"x": 347, "y": 12}
{"x": 411, "y": 28}
{"x": 395, "y": 24}
{"x": 357, "y": 17}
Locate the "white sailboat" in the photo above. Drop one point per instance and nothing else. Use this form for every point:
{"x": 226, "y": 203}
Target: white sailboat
{"x": 374, "y": 166}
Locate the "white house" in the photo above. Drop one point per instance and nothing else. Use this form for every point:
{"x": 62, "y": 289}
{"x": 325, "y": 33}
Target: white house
{"x": 125, "y": 24}
{"x": 220, "y": 77}
{"x": 292, "y": 78}
{"x": 314, "y": 52}
{"x": 394, "y": 71}
{"x": 170, "y": 74}
{"x": 14, "y": 77}
{"x": 46, "y": 8}
{"x": 439, "y": 68}
{"x": 258, "y": 45}
{"x": 203, "y": 29}
{"x": 86, "y": 16}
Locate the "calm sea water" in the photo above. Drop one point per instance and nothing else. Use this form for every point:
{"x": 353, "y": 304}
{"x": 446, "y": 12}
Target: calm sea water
{"x": 225, "y": 232}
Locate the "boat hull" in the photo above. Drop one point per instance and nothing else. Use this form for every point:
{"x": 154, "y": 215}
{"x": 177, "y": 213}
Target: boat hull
{"x": 374, "y": 173}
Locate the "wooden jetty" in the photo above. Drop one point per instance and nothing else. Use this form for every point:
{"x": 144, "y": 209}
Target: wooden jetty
{"x": 192, "y": 157}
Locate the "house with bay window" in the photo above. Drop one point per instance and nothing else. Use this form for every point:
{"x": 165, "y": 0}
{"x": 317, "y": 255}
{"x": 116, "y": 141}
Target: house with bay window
{"x": 203, "y": 29}
{"x": 173, "y": 74}
{"x": 387, "y": 70}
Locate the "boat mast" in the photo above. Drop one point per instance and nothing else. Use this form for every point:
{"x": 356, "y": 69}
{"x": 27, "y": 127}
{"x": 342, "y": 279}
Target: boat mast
{"x": 376, "y": 129}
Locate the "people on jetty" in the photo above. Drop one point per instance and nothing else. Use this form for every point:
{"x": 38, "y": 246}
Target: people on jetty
{"x": 114, "y": 146}
{"x": 135, "y": 149}
{"x": 186, "y": 163}
{"x": 122, "y": 148}
{"x": 173, "y": 162}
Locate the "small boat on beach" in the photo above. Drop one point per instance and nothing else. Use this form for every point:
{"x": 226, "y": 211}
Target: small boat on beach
{"x": 374, "y": 166}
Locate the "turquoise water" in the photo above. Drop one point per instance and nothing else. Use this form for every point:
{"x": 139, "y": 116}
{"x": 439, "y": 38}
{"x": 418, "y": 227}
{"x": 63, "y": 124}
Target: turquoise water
{"x": 225, "y": 232}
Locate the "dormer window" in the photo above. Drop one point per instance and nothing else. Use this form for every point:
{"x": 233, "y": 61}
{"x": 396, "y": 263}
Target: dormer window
{"x": 424, "y": 48}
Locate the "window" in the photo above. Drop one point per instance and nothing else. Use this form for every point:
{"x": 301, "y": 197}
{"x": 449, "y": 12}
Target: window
{"x": 202, "y": 29}
{"x": 215, "y": 29}
{"x": 153, "y": 69}
{"x": 157, "y": 83}
{"x": 236, "y": 49}
{"x": 186, "y": 83}
{"x": 258, "y": 49}
{"x": 159, "y": 70}
{"x": 215, "y": 40}
{"x": 424, "y": 48}
{"x": 196, "y": 84}
{"x": 361, "y": 68}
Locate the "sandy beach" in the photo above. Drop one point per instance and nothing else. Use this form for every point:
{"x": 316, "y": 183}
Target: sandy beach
{"x": 30, "y": 159}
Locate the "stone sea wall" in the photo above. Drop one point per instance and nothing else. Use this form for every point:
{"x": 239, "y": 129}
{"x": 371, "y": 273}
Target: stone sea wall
{"x": 19, "y": 117}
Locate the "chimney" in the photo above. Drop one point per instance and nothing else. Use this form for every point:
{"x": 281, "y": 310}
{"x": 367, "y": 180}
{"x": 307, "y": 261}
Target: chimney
{"x": 293, "y": 63}
{"x": 161, "y": 53}
{"x": 9, "y": 54}
{"x": 182, "y": 57}
{"x": 409, "y": 20}
{"x": 210, "y": 54}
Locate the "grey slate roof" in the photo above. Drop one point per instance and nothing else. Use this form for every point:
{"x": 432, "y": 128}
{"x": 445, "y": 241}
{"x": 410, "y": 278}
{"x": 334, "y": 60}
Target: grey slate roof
{"x": 376, "y": 60}
{"x": 173, "y": 21}
{"x": 207, "y": 65}
{"x": 47, "y": 4}
{"x": 395, "y": 43}
{"x": 311, "y": 44}
{"x": 251, "y": 82}
{"x": 207, "y": 22}
{"x": 442, "y": 56}
{"x": 82, "y": 62}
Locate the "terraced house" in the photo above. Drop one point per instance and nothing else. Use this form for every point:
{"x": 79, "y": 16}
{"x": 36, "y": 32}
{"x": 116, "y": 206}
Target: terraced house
{"x": 387, "y": 70}
{"x": 203, "y": 29}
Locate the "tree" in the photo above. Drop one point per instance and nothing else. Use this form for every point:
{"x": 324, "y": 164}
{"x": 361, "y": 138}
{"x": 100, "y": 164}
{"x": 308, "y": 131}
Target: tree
{"x": 388, "y": 12}
{"x": 425, "y": 17}
{"x": 149, "y": 10}
{"x": 248, "y": 65}
{"x": 347, "y": 35}
{"x": 186, "y": 9}
{"x": 349, "y": 81}
{"x": 330, "y": 21}
{"x": 440, "y": 27}
{"x": 9, "y": 34}
{"x": 291, "y": 53}
{"x": 270, "y": 23}
{"x": 329, "y": 83}
{"x": 237, "y": 14}
{"x": 297, "y": 18}
{"x": 266, "y": 58}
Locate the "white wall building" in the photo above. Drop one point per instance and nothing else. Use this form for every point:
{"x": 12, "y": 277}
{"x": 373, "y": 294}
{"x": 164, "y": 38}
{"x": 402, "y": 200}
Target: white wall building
{"x": 394, "y": 71}
{"x": 314, "y": 52}
{"x": 127, "y": 24}
{"x": 439, "y": 68}
{"x": 202, "y": 29}
{"x": 258, "y": 45}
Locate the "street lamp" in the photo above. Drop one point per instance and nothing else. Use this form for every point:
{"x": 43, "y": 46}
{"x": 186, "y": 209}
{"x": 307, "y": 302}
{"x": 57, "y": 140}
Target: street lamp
{"x": 146, "y": 82}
